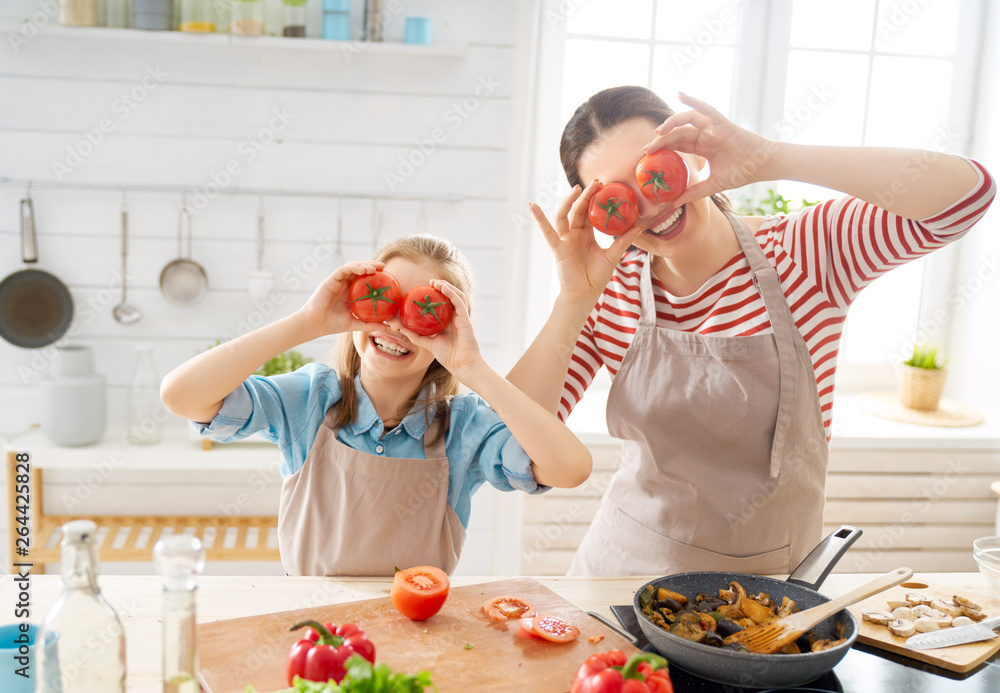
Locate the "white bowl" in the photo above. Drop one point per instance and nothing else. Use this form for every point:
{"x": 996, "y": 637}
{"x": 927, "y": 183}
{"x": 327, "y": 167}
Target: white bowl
{"x": 986, "y": 551}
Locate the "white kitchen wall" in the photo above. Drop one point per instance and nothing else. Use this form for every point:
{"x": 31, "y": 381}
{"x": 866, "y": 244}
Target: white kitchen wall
{"x": 285, "y": 117}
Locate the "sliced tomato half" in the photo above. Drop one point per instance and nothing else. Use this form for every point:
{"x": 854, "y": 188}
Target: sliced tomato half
{"x": 553, "y": 628}
{"x": 420, "y": 592}
{"x": 504, "y": 608}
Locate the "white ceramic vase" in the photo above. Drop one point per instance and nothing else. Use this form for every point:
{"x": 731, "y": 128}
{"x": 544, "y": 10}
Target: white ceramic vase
{"x": 73, "y": 398}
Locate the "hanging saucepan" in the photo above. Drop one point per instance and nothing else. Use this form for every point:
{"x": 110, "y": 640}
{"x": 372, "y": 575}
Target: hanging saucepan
{"x": 183, "y": 281}
{"x": 748, "y": 670}
{"x": 35, "y": 306}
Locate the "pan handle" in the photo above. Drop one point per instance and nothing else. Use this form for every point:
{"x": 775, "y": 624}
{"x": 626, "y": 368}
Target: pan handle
{"x": 29, "y": 247}
{"x": 615, "y": 627}
{"x": 812, "y": 571}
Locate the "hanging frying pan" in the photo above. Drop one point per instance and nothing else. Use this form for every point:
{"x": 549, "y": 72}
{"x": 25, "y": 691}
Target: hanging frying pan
{"x": 35, "y": 306}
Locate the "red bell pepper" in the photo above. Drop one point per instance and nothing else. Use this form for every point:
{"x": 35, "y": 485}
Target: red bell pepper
{"x": 611, "y": 672}
{"x": 321, "y": 653}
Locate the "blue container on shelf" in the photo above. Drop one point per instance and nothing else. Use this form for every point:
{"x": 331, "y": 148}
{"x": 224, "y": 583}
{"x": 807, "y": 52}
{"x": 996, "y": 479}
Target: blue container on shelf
{"x": 418, "y": 31}
{"x": 336, "y": 20}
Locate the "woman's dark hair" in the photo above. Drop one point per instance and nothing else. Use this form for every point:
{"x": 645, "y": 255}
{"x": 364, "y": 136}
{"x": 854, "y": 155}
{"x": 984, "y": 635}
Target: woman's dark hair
{"x": 603, "y": 111}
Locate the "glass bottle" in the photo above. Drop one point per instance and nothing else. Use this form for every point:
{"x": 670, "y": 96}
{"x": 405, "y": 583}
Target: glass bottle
{"x": 197, "y": 15}
{"x": 336, "y": 20}
{"x": 116, "y": 14}
{"x": 146, "y": 413}
{"x": 89, "y": 651}
{"x": 247, "y": 18}
{"x": 179, "y": 558}
{"x": 294, "y": 24}
{"x": 78, "y": 12}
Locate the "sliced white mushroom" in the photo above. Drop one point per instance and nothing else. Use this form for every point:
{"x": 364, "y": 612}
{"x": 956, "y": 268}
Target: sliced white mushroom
{"x": 925, "y": 624}
{"x": 974, "y": 614}
{"x": 943, "y": 620}
{"x": 962, "y": 601}
{"x": 922, "y": 610}
{"x": 902, "y": 627}
{"x": 948, "y": 607}
{"x": 960, "y": 621}
{"x": 895, "y": 604}
{"x": 904, "y": 613}
{"x": 879, "y": 618}
{"x": 914, "y": 598}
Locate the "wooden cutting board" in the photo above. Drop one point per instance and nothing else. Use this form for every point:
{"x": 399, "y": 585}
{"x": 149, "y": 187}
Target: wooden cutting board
{"x": 462, "y": 648}
{"x": 961, "y": 658}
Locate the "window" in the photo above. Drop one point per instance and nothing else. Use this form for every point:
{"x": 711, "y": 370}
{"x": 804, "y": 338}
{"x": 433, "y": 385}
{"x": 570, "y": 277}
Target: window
{"x": 854, "y": 72}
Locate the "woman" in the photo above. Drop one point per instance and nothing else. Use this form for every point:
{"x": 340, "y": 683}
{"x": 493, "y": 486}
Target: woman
{"x": 721, "y": 332}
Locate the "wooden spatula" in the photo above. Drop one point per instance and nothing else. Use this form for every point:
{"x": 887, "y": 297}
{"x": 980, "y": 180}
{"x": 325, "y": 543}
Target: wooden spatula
{"x": 771, "y": 637}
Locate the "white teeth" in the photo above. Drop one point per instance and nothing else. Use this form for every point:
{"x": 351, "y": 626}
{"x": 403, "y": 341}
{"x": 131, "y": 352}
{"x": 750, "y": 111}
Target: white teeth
{"x": 669, "y": 221}
{"x": 389, "y": 347}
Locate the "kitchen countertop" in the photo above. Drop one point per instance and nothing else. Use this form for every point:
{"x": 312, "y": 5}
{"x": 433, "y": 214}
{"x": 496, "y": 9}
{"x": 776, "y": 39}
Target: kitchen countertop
{"x": 138, "y": 601}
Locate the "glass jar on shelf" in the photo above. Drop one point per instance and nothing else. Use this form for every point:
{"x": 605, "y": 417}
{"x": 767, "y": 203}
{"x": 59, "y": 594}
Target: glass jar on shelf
{"x": 146, "y": 413}
{"x": 247, "y": 18}
{"x": 78, "y": 12}
{"x": 198, "y": 15}
{"x": 294, "y": 24}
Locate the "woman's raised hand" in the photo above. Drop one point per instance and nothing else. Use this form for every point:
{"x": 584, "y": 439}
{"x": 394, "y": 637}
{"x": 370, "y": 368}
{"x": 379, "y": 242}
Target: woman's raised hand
{"x": 736, "y": 157}
{"x": 327, "y": 311}
{"x": 583, "y": 266}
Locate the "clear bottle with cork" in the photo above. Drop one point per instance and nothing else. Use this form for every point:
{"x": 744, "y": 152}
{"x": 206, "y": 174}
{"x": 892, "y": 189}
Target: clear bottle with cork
{"x": 146, "y": 413}
{"x": 179, "y": 558}
{"x": 89, "y": 650}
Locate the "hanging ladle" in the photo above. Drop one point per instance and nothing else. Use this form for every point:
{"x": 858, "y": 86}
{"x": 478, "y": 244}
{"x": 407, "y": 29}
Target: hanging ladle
{"x": 124, "y": 313}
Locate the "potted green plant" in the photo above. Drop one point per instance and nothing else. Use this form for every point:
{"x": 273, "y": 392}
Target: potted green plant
{"x": 921, "y": 378}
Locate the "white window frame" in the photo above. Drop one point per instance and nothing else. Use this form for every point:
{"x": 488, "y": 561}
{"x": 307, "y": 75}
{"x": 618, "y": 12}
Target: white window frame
{"x": 757, "y": 104}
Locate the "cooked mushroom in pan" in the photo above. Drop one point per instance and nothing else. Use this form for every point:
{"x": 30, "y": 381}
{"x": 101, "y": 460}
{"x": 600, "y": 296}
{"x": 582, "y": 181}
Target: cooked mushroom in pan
{"x": 710, "y": 619}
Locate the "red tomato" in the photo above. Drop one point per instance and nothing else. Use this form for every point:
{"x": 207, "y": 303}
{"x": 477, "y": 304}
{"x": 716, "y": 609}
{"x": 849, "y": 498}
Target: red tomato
{"x": 662, "y": 175}
{"x": 503, "y": 608}
{"x": 374, "y": 297}
{"x": 420, "y": 592}
{"x": 552, "y": 628}
{"x": 425, "y": 310}
{"x": 614, "y": 209}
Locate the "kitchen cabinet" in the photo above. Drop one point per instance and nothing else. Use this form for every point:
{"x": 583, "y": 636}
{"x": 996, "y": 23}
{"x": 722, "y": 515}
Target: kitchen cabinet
{"x": 921, "y": 494}
{"x": 138, "y": 599}
{"x": 154, "y": 489}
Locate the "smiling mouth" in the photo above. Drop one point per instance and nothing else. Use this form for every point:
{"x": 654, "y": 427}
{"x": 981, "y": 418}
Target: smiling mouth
{"x": 388, "y": 347}
{"x": 669, "y": 223}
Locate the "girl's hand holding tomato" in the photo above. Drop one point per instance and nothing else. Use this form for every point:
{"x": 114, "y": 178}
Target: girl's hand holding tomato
{"x": 455, "y": 347}
{"x": 736, "y": 157}
{"x": 375, "y": 297}
{"x": 662, "y": 175}
{"x": 613, "y": 209}
{"x": 328, "y": 310}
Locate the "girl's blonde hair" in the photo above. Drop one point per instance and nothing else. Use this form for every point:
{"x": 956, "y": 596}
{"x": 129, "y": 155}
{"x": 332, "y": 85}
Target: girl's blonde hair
{"x": 441, "y": 384}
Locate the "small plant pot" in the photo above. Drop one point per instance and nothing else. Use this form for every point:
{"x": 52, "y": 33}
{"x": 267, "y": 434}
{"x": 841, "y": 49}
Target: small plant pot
{"x": 921, "y": 388}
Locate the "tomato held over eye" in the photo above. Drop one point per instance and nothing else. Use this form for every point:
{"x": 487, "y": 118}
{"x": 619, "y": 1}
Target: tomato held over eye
{"x": 662, "y": 175}
{"x": 420, "y": 592}
{"x": 614, "y": 209}
{"x": 425, "y": 310}
{"x": 374, "y": 297}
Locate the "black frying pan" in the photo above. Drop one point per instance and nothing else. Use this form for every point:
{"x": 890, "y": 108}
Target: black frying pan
{"x": 755, "y": 670}
{"x": 35, "y": 306}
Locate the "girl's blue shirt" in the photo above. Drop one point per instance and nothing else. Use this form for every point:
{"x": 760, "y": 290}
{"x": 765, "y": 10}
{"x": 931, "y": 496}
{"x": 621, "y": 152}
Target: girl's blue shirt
{"x": 288, "y": 410}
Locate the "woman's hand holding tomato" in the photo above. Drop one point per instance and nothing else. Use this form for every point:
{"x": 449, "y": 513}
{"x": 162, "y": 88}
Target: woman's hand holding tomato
{"x": 455, "y": 347}
{"x": 736, "y": 157}
{"x": 327, "y": 311}
{"x": 583, "y": 266}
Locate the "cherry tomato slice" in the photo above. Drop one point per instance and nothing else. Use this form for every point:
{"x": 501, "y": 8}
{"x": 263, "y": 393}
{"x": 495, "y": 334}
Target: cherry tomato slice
{"x": 420, "y": 592}
{"x": 554, "y": 628}
{"x": 504, "y": 608}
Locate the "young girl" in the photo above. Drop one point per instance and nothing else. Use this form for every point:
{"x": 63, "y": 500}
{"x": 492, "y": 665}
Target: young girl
{"x": 381, "y": 456}
{"x": 721, "y": 332}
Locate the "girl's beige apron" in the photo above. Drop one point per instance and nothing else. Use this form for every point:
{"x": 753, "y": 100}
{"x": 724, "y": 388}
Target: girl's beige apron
{"x": 724, "y": 454}
{"x": 348, "y": 512}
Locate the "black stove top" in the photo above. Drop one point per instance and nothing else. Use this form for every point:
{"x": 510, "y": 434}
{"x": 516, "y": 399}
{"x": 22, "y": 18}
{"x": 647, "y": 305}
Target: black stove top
{"x": 864, "y": 670}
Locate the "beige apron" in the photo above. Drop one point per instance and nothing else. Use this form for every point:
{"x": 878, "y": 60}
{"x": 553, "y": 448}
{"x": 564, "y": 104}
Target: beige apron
{"x": 724, "y": 454}
{"x": 348, "y": 512}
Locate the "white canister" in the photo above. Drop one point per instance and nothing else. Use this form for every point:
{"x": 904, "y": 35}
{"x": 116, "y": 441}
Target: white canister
{"x": 74, "y": 398}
